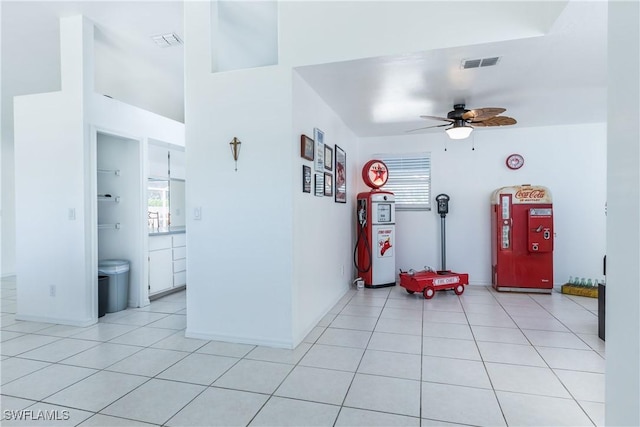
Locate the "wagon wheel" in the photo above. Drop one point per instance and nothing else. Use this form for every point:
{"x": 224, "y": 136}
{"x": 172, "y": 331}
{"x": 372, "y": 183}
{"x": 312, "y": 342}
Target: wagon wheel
{"x": 411, "y": 292}
{"x": 459, "y": 289}
{"x": 428, "y": 292}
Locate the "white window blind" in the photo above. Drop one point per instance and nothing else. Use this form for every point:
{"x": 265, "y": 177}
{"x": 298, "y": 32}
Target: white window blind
{"x": 409, "y": 179}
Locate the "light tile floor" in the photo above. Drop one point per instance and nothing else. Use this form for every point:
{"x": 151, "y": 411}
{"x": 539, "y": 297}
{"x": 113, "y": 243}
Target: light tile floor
{"x": 380, "y": 357}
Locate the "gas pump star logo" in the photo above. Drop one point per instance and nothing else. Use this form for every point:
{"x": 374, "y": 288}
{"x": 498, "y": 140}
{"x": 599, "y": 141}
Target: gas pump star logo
{"x": 375, "y": 174}
{"x": 378, "y": 173}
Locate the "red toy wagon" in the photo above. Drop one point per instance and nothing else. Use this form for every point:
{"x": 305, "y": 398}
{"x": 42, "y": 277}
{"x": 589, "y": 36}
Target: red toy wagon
{"x": 429, "y": 281}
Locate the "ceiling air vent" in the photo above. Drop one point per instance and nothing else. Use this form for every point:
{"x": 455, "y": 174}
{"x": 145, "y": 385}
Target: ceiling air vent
{"x": 166, "y": 40}
{"x": 477, "y": 63}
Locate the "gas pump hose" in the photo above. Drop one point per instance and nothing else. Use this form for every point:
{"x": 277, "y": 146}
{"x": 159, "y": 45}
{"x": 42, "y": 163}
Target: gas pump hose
{"x": 362, "y": 234}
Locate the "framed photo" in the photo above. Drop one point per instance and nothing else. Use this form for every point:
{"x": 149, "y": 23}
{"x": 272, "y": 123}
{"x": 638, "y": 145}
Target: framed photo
{"x": 328, "y": 157}
{"x": 328, "y": 184}
{"x": 319, "y": 185}
{"x": 306, "y": 179}
{"x": 341, "y": 175}
{"x": 306, "y": 147}
{"x": 318, "y": 164}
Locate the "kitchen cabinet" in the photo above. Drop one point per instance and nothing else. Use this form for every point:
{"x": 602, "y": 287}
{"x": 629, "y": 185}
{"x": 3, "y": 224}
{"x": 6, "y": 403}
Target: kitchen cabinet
{"x": 158, "y": 162}
{"x": 179, "y": 248}
{"x": 167, "y": 262}
{"x": 177, "y": 168}
{"x": 166, "y": 160}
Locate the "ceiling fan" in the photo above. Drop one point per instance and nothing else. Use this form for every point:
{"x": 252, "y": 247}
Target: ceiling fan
{"x": 462, "y": 121}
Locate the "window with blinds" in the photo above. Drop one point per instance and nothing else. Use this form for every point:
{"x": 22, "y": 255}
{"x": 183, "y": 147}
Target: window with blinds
{"x": 409, "y": 180}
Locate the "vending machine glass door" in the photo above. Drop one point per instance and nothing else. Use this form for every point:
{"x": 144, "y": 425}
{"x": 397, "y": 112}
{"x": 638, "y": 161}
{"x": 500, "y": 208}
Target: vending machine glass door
{"x": 505, "y": 203}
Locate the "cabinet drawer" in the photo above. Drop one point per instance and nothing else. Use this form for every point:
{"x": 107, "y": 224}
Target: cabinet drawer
{"x": 179, "y": 265}
{"x": 159, "y": 242}
{"x": 179, "y": 253}
{"x": 179, "y": 240}
{"x": 180, "y": 278}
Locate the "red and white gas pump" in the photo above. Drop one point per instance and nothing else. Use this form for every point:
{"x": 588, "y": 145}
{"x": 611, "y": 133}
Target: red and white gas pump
{"x": 522, "y": 239}
{"x": 374, "y": 254}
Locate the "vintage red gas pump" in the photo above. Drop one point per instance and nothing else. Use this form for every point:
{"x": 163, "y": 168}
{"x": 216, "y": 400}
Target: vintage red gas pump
{"x": 374, "y": 254}
{"x": 522, "y": 239}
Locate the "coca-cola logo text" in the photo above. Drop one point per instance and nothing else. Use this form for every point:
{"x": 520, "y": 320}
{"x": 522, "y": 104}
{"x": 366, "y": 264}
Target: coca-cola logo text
{"x": 530, "y": 193}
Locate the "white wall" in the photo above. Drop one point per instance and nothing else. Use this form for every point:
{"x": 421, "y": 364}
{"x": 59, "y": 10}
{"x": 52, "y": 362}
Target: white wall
{"x": 246, "y": 34}
{"x": 570, "y": 160}
{"x": 239, "y": 252}
{"x": 323, "y": 230}
{"x": 8, "y": 220}
{"x": 623, "y": 214}
{"x": 132, "y": 80}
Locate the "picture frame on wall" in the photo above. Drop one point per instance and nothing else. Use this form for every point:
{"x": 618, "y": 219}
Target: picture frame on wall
{"x": 318, "y": 136}
{"x": 328, "y": 184}
{"x": 306, "y": 179}
{"x": 306, "y": 147}
{"x": 341, "y": 175}
{"x": 328, "y": 157}
{"x": 319, "y": 185}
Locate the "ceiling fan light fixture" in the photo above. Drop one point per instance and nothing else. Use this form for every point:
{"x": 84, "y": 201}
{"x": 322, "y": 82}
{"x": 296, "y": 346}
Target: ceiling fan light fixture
{"x": 459, "y": 132}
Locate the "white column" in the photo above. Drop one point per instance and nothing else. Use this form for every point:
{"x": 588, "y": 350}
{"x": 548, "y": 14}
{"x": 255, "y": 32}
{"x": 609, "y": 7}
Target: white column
{"x": 56, "y": 281}
{"x": 623, "y": 217}
{"x": 76, "y": 55}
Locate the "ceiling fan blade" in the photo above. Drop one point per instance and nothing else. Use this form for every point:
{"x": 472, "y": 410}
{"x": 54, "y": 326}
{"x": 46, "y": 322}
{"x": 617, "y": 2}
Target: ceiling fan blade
{"x": 429, "y": 127}
{"x": 437, "y": 118}
{"x": 495, "y": 121}
{"x": 482, "y": 113}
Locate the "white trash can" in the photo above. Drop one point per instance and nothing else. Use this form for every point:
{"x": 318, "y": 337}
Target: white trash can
{"x": 118, "y": 272}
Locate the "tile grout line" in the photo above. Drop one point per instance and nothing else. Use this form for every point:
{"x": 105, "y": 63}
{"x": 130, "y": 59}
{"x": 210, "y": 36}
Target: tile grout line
{"x": 344, "y": 399}
{"x": 484, "y": 363}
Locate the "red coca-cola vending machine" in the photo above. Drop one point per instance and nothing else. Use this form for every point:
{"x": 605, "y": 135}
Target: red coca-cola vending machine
{"x": 522, "y": 239}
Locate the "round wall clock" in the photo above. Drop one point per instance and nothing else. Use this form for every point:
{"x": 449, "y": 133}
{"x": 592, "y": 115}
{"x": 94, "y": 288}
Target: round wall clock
{"x": 515, "y": 161}
{"x": 375, "y": 174}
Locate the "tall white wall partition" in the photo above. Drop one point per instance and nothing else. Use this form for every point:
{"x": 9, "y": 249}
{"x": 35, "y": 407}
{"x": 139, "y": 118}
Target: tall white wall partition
{"x": 52, "y": 225}
{"x": 53, "y": 220}
{"x": 240, "y": 247}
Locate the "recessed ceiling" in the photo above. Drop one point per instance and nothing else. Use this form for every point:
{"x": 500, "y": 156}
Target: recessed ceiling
{"x": 556, "y": 79}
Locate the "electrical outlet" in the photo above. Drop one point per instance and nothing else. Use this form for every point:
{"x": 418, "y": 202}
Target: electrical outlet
{"x": 52, "y": 290}
{"x": 72, "y": 214}
{"x": 197, "y": 213}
